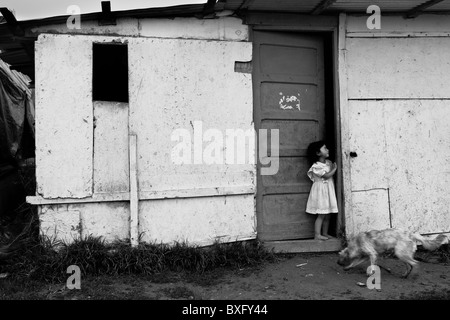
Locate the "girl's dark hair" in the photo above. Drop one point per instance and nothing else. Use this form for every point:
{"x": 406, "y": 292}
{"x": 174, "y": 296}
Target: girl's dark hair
{"x": 313, "y": 149}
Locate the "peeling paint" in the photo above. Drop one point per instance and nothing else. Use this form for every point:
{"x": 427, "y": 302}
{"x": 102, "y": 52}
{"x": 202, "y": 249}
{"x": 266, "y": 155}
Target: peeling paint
{"x": 290, "y": 102}
{"x": 164, "y": 94}
{"x": 398, "y": 127}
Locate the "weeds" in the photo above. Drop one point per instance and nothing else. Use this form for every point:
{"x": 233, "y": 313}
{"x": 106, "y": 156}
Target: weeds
{"x": 25, "y": 254}
{"x": 42, "y": 262}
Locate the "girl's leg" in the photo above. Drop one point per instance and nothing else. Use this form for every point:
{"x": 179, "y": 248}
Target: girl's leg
{"x": 318, "y": 227}
{"x": 325, "y": 225}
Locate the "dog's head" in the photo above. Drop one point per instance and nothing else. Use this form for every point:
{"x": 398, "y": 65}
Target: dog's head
{"x": 344, "y": 258}
{"x": 351, "y": 256}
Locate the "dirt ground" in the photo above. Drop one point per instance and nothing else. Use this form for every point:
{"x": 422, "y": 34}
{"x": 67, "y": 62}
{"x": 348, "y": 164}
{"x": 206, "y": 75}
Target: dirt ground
{"x": 298, "y": 277}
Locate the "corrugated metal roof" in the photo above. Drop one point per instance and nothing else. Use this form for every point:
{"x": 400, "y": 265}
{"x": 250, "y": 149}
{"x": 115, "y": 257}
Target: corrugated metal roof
{"x": 270, "y": 5}
{"x": 385, "y": 5}
{"x": 18, "y": 50}
{"x": 307, "y": 6}
{"x": 442, "y": 6}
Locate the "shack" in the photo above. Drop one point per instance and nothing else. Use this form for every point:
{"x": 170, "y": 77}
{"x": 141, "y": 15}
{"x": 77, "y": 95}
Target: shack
{"x": 191, "y": 123}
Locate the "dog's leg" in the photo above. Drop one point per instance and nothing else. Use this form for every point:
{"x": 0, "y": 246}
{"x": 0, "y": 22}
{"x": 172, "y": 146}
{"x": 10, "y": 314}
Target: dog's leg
{"x": 373, "y": 261}
{"x": 371, "y": 252}
{"x": 413, "y": 267}
{"x": 408, "y": 270}
{"x": 406, "y": 256}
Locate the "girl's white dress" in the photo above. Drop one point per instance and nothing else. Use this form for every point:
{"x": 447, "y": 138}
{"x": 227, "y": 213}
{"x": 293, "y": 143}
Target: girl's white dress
{"x": 322, "y": 197}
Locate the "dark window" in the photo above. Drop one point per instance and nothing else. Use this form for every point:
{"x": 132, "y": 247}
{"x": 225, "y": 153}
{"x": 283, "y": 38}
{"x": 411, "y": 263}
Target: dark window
{"x": 110, "y": 72}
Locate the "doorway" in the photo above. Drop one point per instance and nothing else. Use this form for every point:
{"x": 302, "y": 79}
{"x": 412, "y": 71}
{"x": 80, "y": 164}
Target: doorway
{"x": 293, "y": 88}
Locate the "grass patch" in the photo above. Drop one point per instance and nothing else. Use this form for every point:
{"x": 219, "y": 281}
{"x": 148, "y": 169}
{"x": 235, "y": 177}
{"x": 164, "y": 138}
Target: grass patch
{"x": 48, "y": 260}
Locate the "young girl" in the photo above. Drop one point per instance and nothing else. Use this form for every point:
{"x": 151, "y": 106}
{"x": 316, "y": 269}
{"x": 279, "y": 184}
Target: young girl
{"x": 322, "y": 197}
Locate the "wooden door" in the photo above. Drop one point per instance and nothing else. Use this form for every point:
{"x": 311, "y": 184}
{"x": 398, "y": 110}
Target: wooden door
{"x": 289, "y": 95}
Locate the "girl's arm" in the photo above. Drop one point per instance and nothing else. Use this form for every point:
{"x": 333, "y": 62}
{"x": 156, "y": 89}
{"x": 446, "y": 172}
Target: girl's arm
{"x": 331, "y": 173}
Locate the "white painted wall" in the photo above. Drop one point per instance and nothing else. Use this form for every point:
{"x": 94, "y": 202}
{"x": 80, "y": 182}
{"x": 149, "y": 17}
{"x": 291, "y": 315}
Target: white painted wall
{"x": 397, "y": 109}
{"x": 224, "y": 29}
{"x": 111, "y": 165}
{"x": 71, "y": 221}
{"x": 200, "y": 86}
{"x": 64, "y": 115}
{"x": 172, "y": 84}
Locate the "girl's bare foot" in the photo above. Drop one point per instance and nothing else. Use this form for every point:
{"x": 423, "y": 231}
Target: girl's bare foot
{"x": 320, "y": 237}
{"x": 328, "y": 236}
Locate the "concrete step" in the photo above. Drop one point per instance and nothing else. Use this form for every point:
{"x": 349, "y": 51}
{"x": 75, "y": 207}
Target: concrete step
{"x": 306, "y": 245}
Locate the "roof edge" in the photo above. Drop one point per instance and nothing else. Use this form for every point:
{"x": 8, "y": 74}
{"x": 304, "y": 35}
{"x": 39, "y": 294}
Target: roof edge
{"x": 172, "y": 11}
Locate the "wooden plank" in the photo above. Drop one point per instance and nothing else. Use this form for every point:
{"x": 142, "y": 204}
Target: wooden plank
{"x": 291, "y": 19}
{"x": 246, "y": 4}
{"x": 150, "y": 195}
{"x": 9, "y": 17}
{"x": 371, "y": 211}
{"x": 286, "y": 152}
{"x": 111, "y": 167}
{"x": 340, "y": 223}
{"x": 299, "y": 28}
{"x": 417, "y": 134}
{"x": 277, "y": 189}
{"x": 106, "y": 17}
{"x": 283, "y": 199}
{"x": 367, "y": 126}
{"x": 397, "y": 34}
{"x": 323, "y": 6}
{"x": 427, "y": 23}
{"x": 64, "y": 117}
{"x": 98, "y": 197}
{"x": 110, "y": 220}
{"x": 134, "y": 196}
{"x": 294, "y": 79}
{"x": 427, "y": 62}
{"x": 168, "y": 92}
{"x": 309, "y": 245}
{"x": 225, "y": 28}
{"x": 414, "y": 12}
{"x": 199, "y": 221}
{"x": 198, "y": 192}
{"x": 344, "y": 121}
{"x": 275, "y": 115}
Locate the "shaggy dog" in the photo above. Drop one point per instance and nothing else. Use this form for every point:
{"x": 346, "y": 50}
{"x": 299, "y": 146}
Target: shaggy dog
{"x": 368, "y": 245}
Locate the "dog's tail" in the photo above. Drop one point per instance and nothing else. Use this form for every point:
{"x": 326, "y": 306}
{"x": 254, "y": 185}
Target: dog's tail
{"x": 431, "y": 244}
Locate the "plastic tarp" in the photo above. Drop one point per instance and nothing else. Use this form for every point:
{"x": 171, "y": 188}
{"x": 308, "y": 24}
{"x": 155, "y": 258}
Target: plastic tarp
{"x": 16, "y": 117}
{"x": 16, "y": 136}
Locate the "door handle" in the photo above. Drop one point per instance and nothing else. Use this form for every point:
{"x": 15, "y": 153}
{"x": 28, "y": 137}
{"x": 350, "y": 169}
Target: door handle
{"x": 353, "y": 154}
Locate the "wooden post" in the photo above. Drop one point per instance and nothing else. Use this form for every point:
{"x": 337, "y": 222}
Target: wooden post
{"x": 134, "y": 197}
{"x": 344, "y": 115}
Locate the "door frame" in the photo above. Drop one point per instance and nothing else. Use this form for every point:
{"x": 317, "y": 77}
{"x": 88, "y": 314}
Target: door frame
{"x": 335, "y": 25}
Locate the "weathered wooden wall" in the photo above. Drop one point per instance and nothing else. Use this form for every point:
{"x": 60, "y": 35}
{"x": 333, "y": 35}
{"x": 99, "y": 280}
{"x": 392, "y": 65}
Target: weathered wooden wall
{"x": 200, "y": 84}
{"x": 396, "y": 113}
{"x": 394, "y": 106}
{"x": 83, "y": 174}
{"x": 64, "y": 118}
